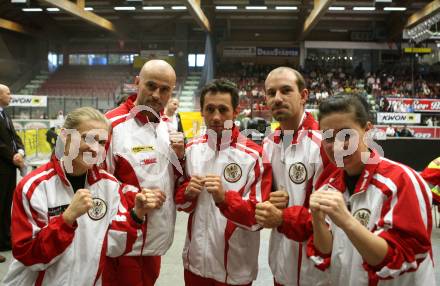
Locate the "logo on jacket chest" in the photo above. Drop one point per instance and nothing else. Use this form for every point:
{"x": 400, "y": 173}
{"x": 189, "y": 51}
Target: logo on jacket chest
{"x": 363, "y": 216}
{"x": 98, "y": 210}
{"x": 298, "y": 173}
{"x": 232, "y": 173}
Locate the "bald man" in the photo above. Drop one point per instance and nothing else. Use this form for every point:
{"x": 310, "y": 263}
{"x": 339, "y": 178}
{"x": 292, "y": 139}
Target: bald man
{"x": 11, "y": 158}
{"x": 143, "y": 152}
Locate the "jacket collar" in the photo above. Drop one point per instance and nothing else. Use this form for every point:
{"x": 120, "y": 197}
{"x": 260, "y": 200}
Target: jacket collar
{"x": 337, "y": 179}
{"x": 308, "y": 122}
{"x": 129, "y": 104}
{"x": 92, "y": 175}
{"x": 223, "y": 143}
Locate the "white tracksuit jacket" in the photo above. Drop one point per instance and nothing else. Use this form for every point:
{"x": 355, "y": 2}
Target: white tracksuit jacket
{"x": 46, "y": 250}
{"x": 138, "y": 154}
{"x": 222, "y": 241}
{"x": 297, "y": 162}
{"x": 393, "y": 202}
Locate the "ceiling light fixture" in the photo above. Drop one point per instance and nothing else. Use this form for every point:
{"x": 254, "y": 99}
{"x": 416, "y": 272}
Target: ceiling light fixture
{"x": 226, "y": 7}
{"x": 178, "y": 7}
{"x": 32, "y": 10}
{"x": 336, "y": 8}
{"x": 394, "y": 8}
{"x": 153, "y": 8}
{"x": 256, "y": 7}
{"x": 124, "y": 8}
{"x": 364, "y": 8}
{"x": 289, "y": 8}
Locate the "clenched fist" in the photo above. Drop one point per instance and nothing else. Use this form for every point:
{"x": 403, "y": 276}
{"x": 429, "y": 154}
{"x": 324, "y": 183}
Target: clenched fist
{"x": 194, "y": 187}
{"x": 279, "y": 198}
{"x": 80, "y": 204}
{"x": 177, "y": 143}
{"x": 268, "y": 215}
{"x": 213, "y": 185}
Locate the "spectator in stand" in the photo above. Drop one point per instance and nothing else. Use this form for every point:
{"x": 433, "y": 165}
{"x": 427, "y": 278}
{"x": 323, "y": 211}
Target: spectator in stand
{"x": 391, "y": 132}
{"x": 405, "y": 132}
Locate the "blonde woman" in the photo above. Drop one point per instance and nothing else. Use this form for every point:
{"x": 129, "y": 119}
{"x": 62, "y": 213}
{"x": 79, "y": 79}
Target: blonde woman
{"x": 68, "y": 214}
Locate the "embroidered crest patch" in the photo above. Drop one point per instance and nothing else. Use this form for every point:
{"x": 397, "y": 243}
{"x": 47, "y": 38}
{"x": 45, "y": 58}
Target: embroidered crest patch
{"x": 298, "y": 173}
{"x": 98, "y": 210}
{"x": 363, "y": 216}
{"x": 232, "y": 173}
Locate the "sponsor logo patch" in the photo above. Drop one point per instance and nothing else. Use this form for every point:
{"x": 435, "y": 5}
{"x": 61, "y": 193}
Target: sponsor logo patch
{"x": 138, "y": 149}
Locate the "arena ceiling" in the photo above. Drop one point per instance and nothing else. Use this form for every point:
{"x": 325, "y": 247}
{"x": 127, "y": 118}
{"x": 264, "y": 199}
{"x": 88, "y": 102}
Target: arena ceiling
{"x": 306, "y": 20}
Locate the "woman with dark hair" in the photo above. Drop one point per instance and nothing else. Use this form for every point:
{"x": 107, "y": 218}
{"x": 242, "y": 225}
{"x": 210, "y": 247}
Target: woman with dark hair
{"x": 68, "y": 214}
{"x": 379, "y": 211}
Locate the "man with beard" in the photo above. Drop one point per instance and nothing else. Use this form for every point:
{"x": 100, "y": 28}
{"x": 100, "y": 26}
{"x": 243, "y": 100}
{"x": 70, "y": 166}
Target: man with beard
{"x": 138, "y": 154}
{"x": 294, "y": 150}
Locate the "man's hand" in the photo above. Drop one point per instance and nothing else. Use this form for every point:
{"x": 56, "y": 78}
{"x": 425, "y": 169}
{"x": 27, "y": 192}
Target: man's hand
{"x": 177, "y": 143}
{"x": 194, "y": 187}
{"x": 214, "y": 186}
{"x": 148, "y": 200}
{"x": 18, "y": 160}
{"x": 268, "y": 215}
{"x": 279, "y": 198}
{"x": 80, "y": 204}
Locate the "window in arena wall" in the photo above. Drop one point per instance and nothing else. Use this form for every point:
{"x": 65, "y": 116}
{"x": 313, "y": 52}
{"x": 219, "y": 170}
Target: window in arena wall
{"x": 200, "y": 60}
{"x": 196, "y": 60}
{"x": 191, "y": 60}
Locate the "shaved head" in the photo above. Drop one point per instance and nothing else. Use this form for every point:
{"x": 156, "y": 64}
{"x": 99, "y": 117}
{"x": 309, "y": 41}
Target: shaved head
{"x": 156, "y": 82}
{"x": 5, "y": 95}
{"x": 158, "y": 67}
{"x": 3, "y": 87}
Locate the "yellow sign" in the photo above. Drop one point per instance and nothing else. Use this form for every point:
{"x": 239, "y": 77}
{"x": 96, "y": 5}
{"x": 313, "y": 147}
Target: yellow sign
{"x": 191, "y": 123}
{"x": 418, "y": 50}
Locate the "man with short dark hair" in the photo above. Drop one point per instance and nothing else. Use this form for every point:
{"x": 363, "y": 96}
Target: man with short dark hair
{"x": 225, "y": 179}
{"x": 11, "y": 158}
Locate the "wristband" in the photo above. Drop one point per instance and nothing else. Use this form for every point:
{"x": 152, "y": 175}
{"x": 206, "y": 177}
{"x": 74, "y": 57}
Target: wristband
{"x": 135, "y": 217}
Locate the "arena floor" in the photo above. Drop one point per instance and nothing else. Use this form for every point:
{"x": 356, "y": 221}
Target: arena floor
{"x": 172, "y": 269}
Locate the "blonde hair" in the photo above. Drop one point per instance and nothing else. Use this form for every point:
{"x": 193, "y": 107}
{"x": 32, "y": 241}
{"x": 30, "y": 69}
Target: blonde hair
{"x": 82, "y": 114}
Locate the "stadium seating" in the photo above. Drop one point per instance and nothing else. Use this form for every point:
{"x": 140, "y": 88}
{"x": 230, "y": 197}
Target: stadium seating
{"x": 85, "y": 81}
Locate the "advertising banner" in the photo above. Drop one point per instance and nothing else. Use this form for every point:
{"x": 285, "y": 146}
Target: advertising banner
{"x": 418, "y": 131}
{"x": 414, "y": 104}
{"x": 239, "y": 52}
{"x": 277, "y": 52}
{"x": 28, "y": 100}
{"x": 402, "y": 118}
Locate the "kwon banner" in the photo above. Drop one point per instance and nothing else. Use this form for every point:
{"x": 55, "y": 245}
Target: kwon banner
{"x": 28, "y": 100}
{"x": 403, "y": 118}
{"x": 414, "y": 105}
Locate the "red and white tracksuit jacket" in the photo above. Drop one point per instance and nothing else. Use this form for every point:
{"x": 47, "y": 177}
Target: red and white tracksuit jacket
{"x": 393, "y": 202}
{"x": 296, "y": 163}
{"x": 138, "y": 154}
{"x": 46, "y": 250}
{"x": 222, "y": 241}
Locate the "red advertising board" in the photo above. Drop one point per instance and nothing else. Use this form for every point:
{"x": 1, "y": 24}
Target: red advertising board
{"x": 419, "y": 131}
{"x": 414, "y": 105}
